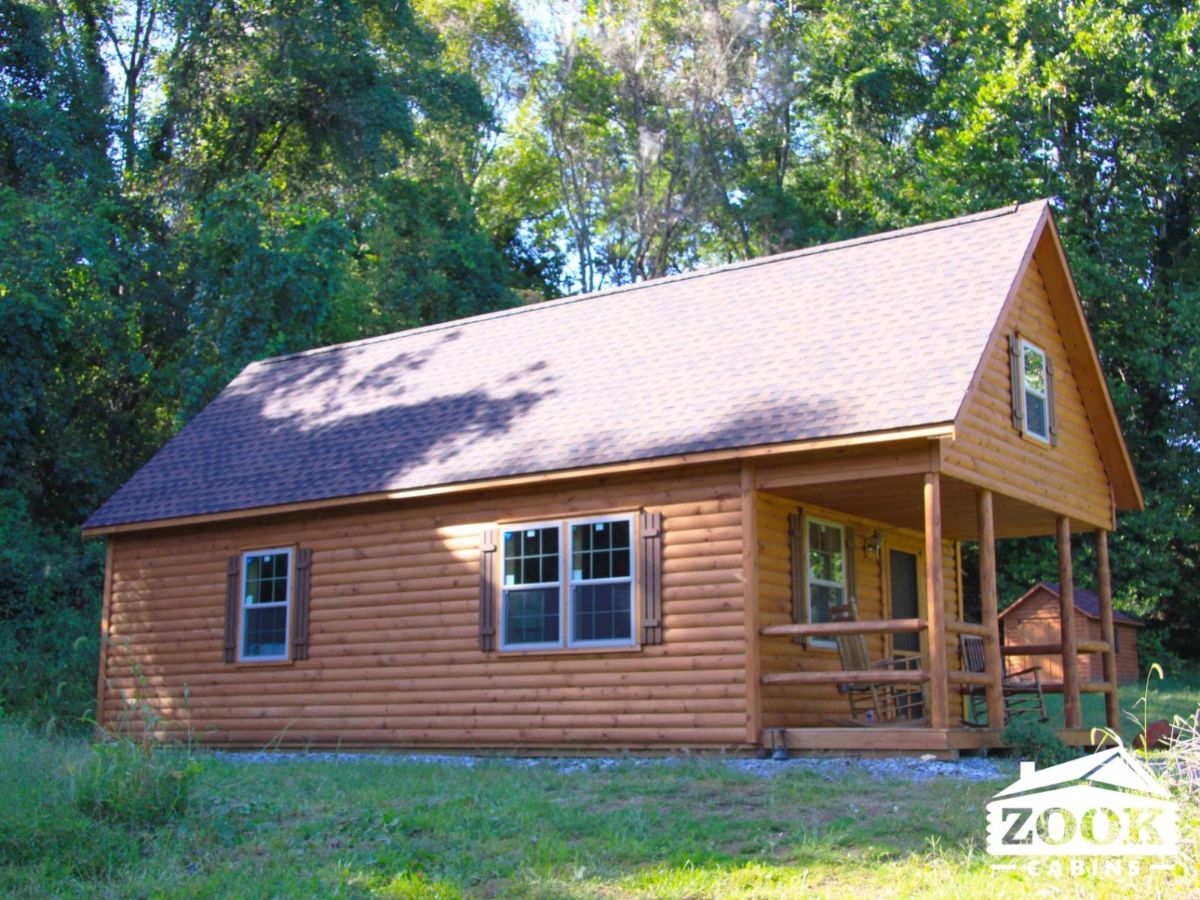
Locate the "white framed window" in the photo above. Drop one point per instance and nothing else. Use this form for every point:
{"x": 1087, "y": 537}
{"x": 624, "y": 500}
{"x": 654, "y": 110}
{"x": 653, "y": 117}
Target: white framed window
{"x": 601, "y": 582}
{"x": 568, "y": 584}
{"x": 266, "y": 605}
{"x": 1035, "y": 391}
{"x": 826, "y": 557}
{"x": 531, "y": 587}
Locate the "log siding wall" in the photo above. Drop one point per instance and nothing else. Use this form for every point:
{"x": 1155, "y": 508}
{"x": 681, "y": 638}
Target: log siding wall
{"x": 1068, "y": 478}
{"x": 394, "y": 657}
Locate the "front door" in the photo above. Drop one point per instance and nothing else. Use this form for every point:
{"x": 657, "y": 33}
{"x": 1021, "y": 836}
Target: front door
{"x": 904, "y": 601}
{"x": 905, "y": 597}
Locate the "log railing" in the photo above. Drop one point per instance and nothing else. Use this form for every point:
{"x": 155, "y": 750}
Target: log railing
{"x": 1053, "y": 649}
{"x": 972, "y": 628}
{"x": 843, "y": 629}
{"x": 955, "y": 677}
{"x": 1083, "y": 687}
{"x": 837, "y": 629}
{"x": 865, "y": 676}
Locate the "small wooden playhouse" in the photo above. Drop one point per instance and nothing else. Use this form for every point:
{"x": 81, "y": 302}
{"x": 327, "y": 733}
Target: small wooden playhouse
{"x": 652, "y": 517}
{"x": 1031, "y": 632}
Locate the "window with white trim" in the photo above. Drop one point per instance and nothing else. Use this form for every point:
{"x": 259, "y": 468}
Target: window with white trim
{"x": 266, "y": 604}
{"x": 1035, "y": 391}
{"x": 547, "y": 604}
{"x": 531, "y": 595}
{"x": 826, "y": 569}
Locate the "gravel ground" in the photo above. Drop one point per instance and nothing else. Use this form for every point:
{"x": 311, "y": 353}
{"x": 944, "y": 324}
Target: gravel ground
{"x": 969, "y": 768}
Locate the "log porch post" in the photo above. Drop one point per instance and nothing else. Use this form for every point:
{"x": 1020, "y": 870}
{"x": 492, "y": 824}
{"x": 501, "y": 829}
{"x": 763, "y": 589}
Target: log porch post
{"x": 1112, "y": 703}
{"x": 1066, "y": 614}
{"x": 992, "y": 660}
{"x": 939, "y": 710}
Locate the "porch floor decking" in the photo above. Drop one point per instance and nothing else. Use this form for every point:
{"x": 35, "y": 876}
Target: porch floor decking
{"x": 903, "y": 739}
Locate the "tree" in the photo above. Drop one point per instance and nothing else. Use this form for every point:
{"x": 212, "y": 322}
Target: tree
{"x": 1096, "y": 106}
{"x": 186, "y": 187}
{"x": 629, "y": 132}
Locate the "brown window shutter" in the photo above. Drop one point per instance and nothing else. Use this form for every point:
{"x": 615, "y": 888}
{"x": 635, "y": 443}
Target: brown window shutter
{"x": 851, "y": 565}
{"x": 1017, "y": 376}
{"x": 799, "y": 570}
{"x": 487, "y": 590}
{"x": 300, "y": 603}
{"x": 650, "y": 529}
{"x": 232, "y": 571}
{"x": 1051, "y": 420}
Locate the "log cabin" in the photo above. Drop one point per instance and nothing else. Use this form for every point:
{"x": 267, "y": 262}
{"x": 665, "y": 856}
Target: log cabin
{"x": 1031, "y": 624}
{"x": 628, "y": 520}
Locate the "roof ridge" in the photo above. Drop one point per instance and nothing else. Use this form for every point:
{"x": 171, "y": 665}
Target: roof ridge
{"x": 1077, "y": 592}
{"x": 879, "y": 237}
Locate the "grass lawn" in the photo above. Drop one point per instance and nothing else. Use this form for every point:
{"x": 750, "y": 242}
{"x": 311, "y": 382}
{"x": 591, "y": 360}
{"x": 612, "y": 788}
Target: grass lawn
{"x": 1175, "y": 694}
{"x": 668, "y": 828}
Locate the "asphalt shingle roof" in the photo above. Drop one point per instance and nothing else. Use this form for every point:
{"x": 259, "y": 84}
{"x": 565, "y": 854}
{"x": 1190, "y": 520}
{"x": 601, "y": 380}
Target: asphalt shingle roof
{"x": 868, "y": 335}
{"x": 1088, "y": 603}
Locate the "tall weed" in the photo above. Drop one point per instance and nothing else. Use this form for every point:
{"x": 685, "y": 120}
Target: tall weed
{"x": 132, "y": 779}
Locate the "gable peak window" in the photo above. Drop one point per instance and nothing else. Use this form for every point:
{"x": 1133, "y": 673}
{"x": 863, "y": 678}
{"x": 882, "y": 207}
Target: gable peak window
{"x": 266, "y": 595}
{"x": 1032, "y": 390}
{"x": 1035, "y": 393}
{"x": 567, "y": 584}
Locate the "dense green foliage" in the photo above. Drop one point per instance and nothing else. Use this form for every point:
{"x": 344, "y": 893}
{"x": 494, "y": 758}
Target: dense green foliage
{"x": 184, "y": 188}
{"x": 1036, "y": 741}
{"x": 188, "y": 185}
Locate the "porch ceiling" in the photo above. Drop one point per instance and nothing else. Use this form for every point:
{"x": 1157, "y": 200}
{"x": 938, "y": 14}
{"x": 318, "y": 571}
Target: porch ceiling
{"x": 899, "y": 500}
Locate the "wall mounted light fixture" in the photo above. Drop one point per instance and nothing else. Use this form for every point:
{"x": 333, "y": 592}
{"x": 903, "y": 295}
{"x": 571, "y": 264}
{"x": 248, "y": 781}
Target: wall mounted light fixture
{"x": 873, "y": 545}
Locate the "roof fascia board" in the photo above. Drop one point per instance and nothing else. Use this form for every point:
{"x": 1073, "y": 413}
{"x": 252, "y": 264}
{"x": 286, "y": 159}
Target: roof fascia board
{"x": 1010, "y": 299}
{"x": 1052, "y": 261}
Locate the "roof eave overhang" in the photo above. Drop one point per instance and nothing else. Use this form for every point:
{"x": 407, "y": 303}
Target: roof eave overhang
{"x": 933, "y": 431}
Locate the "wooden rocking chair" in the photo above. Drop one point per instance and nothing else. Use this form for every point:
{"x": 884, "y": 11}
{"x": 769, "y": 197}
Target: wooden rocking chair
{"x": 1022, "y": 689}
{"x": 875, "y": 704}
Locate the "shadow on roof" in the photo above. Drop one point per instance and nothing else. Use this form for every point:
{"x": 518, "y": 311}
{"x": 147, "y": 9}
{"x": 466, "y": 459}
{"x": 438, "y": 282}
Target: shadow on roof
{"x": 279, "y": 436}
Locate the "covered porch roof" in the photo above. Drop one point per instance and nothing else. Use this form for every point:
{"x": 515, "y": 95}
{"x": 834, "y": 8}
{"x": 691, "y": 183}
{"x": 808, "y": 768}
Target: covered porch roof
{"x": 906, "y": 485}
{"x": 886, "y": 483}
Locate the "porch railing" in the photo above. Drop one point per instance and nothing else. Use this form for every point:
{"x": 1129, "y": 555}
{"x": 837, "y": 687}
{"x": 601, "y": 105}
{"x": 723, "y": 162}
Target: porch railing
{"x": 1084, "y": 687}
{"x": 992, "y": 676}
{"x": 841, "y": 629}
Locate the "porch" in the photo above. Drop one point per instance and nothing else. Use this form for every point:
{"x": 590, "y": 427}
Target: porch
{"x": 906, "y": 503}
